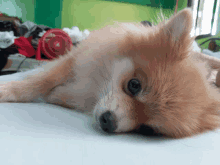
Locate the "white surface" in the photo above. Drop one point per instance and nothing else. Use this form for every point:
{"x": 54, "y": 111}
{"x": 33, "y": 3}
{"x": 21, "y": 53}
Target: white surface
{"x": 6, "y": 39}
{"x": 211, "y": 53}
{"x": 43, "y": 134}
{"x": 196, "y": 47}
{"x": 29, "y": 63}
{"x": 75, "y": 34}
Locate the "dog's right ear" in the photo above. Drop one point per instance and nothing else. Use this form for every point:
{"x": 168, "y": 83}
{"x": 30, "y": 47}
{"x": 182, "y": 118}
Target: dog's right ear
{"x": 179, "y": 26}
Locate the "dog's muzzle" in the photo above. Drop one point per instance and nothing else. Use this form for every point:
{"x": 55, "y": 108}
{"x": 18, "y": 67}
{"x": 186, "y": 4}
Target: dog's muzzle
{"x": 108, "y": 122}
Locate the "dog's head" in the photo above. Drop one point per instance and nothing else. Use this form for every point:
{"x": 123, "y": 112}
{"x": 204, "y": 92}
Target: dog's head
{"x": 153, "y": 82}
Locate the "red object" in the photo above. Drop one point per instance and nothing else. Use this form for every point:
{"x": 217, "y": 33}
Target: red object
{"x": 24, "y": 46}
{"x": 54, "y": 43}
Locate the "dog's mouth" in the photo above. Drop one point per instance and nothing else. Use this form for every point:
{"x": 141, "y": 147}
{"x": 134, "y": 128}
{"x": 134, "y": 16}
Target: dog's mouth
{"x": 147, "y": 131}
{"x": 141, "y": 130}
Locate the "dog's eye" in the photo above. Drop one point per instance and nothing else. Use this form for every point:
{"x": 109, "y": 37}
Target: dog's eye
{"x": 134, "y": 86}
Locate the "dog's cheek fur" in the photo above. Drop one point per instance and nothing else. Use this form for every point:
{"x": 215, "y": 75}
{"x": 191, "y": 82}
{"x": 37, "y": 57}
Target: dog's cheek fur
{"x": 182, "y": 103}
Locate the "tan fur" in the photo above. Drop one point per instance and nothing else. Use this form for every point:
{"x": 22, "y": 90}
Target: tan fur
{"x": 178, "y": 98}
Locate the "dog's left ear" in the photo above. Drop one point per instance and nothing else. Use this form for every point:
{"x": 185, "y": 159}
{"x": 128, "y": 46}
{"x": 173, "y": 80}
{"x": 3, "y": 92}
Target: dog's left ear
{"x": 180, "y": 25}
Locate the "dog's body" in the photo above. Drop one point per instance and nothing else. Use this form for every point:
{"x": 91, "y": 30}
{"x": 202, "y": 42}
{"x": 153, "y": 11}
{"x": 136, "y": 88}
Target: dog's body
{"x": 130, "y": 75}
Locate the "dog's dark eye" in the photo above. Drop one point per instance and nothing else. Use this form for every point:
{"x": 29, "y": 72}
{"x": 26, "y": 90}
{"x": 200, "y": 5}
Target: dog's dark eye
{"x": 134, "y": 86}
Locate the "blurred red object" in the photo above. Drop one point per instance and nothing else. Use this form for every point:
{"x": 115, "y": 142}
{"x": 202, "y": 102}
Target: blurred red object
{"x": 53, "y": 43}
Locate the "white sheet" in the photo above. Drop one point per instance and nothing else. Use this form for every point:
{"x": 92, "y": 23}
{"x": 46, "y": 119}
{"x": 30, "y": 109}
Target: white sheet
{"x": 39, "y": 133}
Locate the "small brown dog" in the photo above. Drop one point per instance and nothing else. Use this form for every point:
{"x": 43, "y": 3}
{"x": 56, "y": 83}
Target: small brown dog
{"x": 130, "y": 75}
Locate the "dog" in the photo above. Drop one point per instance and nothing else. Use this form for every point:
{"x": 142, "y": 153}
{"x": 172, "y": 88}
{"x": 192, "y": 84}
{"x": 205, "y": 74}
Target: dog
{"x": 129, "y": 75}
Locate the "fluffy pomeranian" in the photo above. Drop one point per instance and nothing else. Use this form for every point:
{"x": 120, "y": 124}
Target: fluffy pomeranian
{"x": 130, "y": 75}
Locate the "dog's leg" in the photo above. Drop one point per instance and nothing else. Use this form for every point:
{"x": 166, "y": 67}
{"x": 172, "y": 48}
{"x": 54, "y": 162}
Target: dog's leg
{"x": 33, "y": 86}
{"x": 61, "y": 95}
{"x": 213, "y": 62}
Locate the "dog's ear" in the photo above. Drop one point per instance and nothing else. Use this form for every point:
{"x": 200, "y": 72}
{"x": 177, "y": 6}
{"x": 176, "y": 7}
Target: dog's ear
{"x": 180, "y": 25}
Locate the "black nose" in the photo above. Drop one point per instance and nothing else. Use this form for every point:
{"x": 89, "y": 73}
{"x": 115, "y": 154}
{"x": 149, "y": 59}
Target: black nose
{"x": 108, "y": 122}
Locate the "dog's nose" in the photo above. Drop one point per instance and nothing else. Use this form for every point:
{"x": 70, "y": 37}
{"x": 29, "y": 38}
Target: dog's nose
{"x": 108, "y": 122}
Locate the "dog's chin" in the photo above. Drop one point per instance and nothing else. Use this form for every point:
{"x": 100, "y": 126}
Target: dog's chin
{"x": 147, "y": 131}
{"x": 97, "y": 127}
{"x": 141, "y": 130}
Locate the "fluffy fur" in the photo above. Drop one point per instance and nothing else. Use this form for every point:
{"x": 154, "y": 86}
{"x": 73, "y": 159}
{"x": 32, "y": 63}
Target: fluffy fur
{"x": 177, "y": 99}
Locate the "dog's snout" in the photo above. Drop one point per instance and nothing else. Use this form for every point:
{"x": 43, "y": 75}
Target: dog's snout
{"x": 108, "y": 122}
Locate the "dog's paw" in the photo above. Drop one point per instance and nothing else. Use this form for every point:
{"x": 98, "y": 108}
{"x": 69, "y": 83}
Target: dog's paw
{"x": 7, "y": 92}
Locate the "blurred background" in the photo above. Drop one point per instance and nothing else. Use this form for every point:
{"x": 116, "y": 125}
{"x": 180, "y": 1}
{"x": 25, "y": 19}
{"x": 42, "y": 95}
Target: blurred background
{"x": 87, "y": 14}
{"x": 94, "y": 14}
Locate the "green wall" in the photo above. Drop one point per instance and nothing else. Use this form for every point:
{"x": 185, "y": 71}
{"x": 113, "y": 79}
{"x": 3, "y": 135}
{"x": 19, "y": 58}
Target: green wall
{"x": 86, "y": 14}
{"x": 48, "y": 12}
{"x": 21, "y": 8}
{"x": 94, "y": 14}
{"x": 166, "y": 4}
